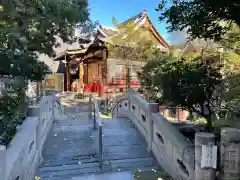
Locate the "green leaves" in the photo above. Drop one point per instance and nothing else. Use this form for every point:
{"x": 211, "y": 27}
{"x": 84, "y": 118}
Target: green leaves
{"x": 185, "y": 82}
{"x": 131, "y": 43}
{"x": 203, "y": 19}
{"x": 29, "y": 28}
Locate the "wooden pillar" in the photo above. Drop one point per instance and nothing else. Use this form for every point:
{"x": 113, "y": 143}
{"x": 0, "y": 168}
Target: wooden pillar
{"x": 38, "y": 91}
{"x": 68, "y": 77}
{"x": 128, "y": 78}
{"x": 105, "y": 76}
{"x": 124, "y": 75}
{"x": 81, "y": 73}
{"x": 85, "y": 73}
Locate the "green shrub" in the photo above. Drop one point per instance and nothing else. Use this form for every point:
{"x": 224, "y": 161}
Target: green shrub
{"x": 79, "y": 96}
{"x": 13, "y": 110}
{"x": 200, "y": 121}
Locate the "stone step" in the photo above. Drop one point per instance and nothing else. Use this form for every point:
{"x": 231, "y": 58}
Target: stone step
{"x": 83, "y": 170}
{"x": 71, "y": 150}
{"x": 108, "y": 176}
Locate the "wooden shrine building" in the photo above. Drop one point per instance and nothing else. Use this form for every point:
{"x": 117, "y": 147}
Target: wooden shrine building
{"x": 83, "y": 68}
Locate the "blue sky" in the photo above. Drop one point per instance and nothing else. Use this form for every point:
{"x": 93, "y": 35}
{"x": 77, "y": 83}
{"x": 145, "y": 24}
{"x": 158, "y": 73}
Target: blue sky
{"x": 104, "y": 10}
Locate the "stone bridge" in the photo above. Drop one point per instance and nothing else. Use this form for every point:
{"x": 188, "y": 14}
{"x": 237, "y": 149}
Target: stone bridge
{"x": 77, "y": 143}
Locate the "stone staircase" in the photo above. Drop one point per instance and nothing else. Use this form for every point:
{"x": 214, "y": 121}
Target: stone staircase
{"x": 71, "y": 149}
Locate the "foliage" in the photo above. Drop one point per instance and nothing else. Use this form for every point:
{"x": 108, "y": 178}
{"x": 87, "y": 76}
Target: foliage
{"x": 202, "y": 19}
{"x": 79, "y": 96}
{"x": 188, "y": 83}
{"x": 200, "y": 121}
{"x": 147, "y": 74}
{"x": 131, "y": 42}
{"x": 229, "y": 89}
{"x": 29, "y": 28}
{"x": 12, "y": 109}
{"x": 231, "y": 40}
{"x": 187, "y": 75}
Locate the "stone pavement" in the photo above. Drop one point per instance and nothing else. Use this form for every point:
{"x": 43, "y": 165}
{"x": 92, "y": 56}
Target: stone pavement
{"x": 70, "y": 152}
{"x": 108, "y": 176}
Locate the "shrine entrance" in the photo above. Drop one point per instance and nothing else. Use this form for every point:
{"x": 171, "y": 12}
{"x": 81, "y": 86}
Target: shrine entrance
{"x": 83, "y": 72}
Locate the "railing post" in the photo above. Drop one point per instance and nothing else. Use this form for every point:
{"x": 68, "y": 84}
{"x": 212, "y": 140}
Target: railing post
{"x": 129, "y": 101}
{"x": 94, "y": 118}
{"x": 53, "y": 107}
{"x": 100, "y": 146}
{"x": 202, "y": 140}
{"x": 57, "y": 110}
{"x": 34, "y": 111}
{"x": 230, "y": 153}
{"x": 99, "y": 139}
{"x": 90, "y": 106}
{"x": 3, "y": 162}
{"x": 152, "y": 108}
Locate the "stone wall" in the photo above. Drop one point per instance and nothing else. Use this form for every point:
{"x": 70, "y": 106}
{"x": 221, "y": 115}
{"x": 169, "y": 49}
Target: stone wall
{"x": 24, "y": 154}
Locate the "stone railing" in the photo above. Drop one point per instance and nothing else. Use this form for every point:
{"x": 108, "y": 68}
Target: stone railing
{"x": 171, "y": 149}
{"x": 24, "y": 154}
{"x": 178, "y": 156}
{"x": 94, "y": 114}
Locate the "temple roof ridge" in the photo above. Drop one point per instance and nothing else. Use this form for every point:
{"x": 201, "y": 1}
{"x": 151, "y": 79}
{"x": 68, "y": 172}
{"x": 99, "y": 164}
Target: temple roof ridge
{"x": 107, "y": 27}
{"x": 141, "y": 19}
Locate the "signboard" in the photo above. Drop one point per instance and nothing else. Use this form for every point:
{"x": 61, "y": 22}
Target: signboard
{"x": 209, "y": 157}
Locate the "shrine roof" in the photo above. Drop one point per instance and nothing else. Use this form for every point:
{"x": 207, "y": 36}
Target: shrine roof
{"x": 61, "y": 55}
{"x": 141, "y": 19}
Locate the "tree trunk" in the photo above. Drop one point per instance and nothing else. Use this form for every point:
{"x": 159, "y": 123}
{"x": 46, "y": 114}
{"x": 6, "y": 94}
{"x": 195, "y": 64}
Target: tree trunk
{"x": 128, "y": 77}
{"x": 237, "y": 19}
{"x": 209, "y": 127}
{"x": 1, "y": 127}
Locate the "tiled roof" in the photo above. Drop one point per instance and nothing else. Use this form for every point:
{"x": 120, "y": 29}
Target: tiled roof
{"x": 137, "y": 18}
{"x": 194, "y": 46}
{"x": 104, "y": 33}
{"x": 108, "y": 31}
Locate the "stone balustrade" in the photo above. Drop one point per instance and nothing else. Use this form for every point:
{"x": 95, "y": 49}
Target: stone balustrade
{"x": 175, "y": 153}
{"x": 20, "y": 160}
{"x": 172, "y": 150}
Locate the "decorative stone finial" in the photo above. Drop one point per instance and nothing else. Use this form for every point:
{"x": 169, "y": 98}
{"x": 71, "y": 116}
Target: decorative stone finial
{"x": 144, "y": 12}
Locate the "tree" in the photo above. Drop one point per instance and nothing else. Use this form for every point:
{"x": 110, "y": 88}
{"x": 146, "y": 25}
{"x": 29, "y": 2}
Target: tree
{"x": 131, "y": 43}
{"x": 28, "y": 28}
{"x": 229, "y": 89}
{"x": 147, "y": 75}
{"x": 187, "y": 82}
{"x": 231, "y": 40}
{"x": 202, "y": 19}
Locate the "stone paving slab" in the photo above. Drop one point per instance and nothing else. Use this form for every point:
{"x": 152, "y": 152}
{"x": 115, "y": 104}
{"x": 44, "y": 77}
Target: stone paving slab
{"x": 71, "y": 149}
{"x": 108, "y": 176}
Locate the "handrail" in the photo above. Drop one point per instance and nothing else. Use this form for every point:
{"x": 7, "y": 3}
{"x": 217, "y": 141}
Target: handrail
{"x": 57, "y": 100}
{"x": 97, "y": 121}
{"x": 97, "y": 112}
{"x": 118, "y": 99}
